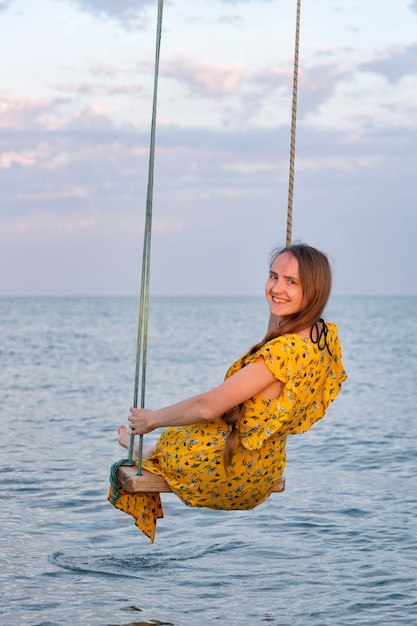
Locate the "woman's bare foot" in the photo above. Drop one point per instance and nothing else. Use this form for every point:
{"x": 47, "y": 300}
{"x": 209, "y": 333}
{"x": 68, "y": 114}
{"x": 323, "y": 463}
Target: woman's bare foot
{"x": 124, "y": 441}
{"x": 124, "y": 436}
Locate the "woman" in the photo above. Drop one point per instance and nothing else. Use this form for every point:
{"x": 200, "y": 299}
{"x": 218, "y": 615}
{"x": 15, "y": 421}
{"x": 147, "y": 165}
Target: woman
{"x": 225, "y": 448}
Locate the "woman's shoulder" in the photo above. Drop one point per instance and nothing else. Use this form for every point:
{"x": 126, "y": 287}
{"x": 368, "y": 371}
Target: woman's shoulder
{"x": 286, "y": 344}
{"x": 287, "y": 340}
{"x": 294, "y": 342}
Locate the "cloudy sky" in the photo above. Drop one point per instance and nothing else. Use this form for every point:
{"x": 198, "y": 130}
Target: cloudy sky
{"x": 75, "y": 114}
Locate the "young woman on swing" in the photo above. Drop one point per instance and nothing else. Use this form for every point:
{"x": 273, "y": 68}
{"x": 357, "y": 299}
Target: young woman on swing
{"x": 225, "y": 448}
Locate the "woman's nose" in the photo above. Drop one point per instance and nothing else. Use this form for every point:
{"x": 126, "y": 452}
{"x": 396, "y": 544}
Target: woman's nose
{"x": 276, "y": 285}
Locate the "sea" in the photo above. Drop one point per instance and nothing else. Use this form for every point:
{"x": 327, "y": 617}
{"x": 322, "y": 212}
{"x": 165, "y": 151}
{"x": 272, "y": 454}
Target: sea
{"x": 337, "y": 548}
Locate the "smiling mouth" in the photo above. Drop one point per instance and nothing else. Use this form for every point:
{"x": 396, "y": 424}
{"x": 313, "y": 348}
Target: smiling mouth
{"x": 279, "y": 300}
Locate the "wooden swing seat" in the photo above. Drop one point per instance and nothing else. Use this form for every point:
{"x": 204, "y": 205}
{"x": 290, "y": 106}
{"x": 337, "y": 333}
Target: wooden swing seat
{"x": 129, "y": 479}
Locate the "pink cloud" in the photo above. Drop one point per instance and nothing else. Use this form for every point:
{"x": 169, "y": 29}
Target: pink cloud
{"x": 207, "y": 78}
{"x": 7, "y": 159}
{"x": 20, "y": 112}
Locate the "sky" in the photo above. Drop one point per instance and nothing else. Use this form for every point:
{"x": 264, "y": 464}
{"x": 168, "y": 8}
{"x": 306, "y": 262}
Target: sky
{"x": 76, "y": 89}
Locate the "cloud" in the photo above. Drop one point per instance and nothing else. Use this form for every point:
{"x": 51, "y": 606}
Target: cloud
{"x": 90, "y": 165}
{"x": 395, "y": 63}
{"x": 123, "y": 10}
{"x": 82, "y": 187}
{"x": 367, "y": 103}
{"x": 316, "y": 83}
{"x": 65, "y": 157}
{"x": 231, "y": 19}
{"x": 231, "y": 95}
{"x": 208, "y": 79}
{"x": 81, "y": 161}
{"x": 73, "y": 168}
{"x": 94, "y": 89}
{"x": 11, "y": 158}
{"x": 24, "y": 119}
{"x": 22, "y": 113}
{"x": 43, "y": 224}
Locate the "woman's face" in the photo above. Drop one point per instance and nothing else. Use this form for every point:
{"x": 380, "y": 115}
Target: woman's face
{"x": 283, "y": 289}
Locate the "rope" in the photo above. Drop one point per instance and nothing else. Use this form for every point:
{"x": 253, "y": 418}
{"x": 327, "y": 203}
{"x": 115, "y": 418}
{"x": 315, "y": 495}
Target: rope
{"x": 141, "y": 350}
{"x": 293, "y": 127}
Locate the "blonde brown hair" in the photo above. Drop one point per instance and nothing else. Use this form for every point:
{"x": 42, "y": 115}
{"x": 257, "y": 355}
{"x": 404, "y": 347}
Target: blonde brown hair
{"x": 316, "y": 282}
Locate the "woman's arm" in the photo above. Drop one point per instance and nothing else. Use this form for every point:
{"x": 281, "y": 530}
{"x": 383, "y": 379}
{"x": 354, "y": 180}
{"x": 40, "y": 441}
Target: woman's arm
{"x": 251, "y": 380}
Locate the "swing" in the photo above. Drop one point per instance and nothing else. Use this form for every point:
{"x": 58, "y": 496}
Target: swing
{"x": 125, "y": 474}
{"x": 146, "y": 482}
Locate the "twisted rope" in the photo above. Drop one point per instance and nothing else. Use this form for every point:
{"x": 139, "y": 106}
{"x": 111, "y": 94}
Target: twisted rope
{"x": 293, "y": 127}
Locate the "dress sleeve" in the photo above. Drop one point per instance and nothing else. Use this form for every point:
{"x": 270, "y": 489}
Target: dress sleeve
{"x": 312, "y": 379}
{"x": 275, "y": 355}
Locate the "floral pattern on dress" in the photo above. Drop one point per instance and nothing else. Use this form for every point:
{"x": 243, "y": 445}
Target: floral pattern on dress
{"x": 190, "y": 458}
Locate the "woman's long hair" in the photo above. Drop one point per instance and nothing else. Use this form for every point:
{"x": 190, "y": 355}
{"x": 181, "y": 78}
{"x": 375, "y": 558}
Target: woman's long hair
{"x": 316, "y": 282}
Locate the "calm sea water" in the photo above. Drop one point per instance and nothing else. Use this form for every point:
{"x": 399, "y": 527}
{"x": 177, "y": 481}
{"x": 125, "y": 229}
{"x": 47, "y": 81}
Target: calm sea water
{"x": 339, "y": 547}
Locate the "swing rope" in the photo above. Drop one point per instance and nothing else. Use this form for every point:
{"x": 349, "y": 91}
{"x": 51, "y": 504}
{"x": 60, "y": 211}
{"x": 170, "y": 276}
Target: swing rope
{"x": 141, "y": 350}
{"x": 293, "y": 127}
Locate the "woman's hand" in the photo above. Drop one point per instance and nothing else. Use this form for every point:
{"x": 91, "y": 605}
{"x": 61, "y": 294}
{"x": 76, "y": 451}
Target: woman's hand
{"x": 141, "y": 421}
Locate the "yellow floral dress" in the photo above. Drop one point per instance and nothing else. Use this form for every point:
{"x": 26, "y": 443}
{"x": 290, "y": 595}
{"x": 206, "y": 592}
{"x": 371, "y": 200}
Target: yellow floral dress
{"x": 190, "y": 458}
